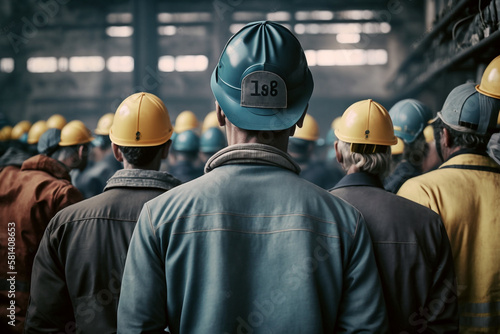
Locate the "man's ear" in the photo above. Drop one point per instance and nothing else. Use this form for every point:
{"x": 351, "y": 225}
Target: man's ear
{"x": 446, "y": 138}
{"x": 116, "y": 152}
{"x": 221, "y": 118}
{"x": 165, "y": 149}
{"x": 338, "y": 155}
{"x": 300, "y": 122}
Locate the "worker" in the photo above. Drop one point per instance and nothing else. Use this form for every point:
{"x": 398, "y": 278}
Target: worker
{"x": 302, "y": 148}
{"x": 409, "y": 118}
{"x": 78, "y": 268}
{"x": 183, "y": 161}
{"x": 410, "y": 243}
{"x": 210, "y": 121}
{"x": 186, "y": 120}
{"x": 490, "y": 86}
{"x": 494, "y": 143}
{"x": 250, "y": 246}
{"x": 56, "y": 121}
{"x": 5, "y": 135}
{"x": 212, "y": 140}
{"x": 432, "y": 159}
{"x": 34, "y": 134}
{"x": 102, "y": 162}
{"x": 31, "y": 196}
{"x": 464, "y": 192}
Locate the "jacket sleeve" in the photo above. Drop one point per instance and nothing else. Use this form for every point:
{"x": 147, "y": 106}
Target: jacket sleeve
{"x": 65, "y": 196}
{"x": 50, "y": 309}
{"x": 143, "y": 298}
{"x": 442, "y": 303}
{"x": 362, "y": 308}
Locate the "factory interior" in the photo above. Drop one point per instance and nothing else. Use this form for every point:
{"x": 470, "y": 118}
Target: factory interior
{"x": 80, "y": 59}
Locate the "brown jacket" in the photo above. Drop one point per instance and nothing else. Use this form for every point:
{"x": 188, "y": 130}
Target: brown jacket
{"x": 29, "y": 197}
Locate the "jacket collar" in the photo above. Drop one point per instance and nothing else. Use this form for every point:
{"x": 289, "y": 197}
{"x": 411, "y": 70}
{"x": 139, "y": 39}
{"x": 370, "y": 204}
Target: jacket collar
{"x": 252, "y": 154}
{"x": 141, "y": 178}
{"x": 359, "y": 179}
{"x": 48, "y": 165}
{"x": 469, "y": 158}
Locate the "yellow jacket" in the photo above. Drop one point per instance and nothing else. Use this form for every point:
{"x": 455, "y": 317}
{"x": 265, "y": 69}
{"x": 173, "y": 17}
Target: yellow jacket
{"x": 465, "y": 191}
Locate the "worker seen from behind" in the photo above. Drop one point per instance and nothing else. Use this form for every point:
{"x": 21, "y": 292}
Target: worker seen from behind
{"x": 410, "y": 243}
{"x": 102, "y": 162}
{"x": 409, "y": 118}
{"x": 183, "y": 161}
{"x": 31, "y": 196}
{"x": 302, "y": 148}
{"x": 464, "y": 192}
{"x": 212, "y": 140}
{"x": 78, "y": 269}
{"x": 250, "y": 246}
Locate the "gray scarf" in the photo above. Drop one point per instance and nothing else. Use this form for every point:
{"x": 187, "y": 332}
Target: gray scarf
{"x": 252, "y": 153}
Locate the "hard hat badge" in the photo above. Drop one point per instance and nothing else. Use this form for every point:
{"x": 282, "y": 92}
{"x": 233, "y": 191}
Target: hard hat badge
{"x": 137, "y": 135}
{"x": 263, "y": 89}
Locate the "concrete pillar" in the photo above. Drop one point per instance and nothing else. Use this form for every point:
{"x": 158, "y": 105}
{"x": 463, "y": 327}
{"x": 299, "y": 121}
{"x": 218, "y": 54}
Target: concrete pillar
{"x": 145, "y": 46}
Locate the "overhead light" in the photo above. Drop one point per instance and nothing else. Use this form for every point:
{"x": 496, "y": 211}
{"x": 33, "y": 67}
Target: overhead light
{"x": 120, "y": 64}
{"x": 119, "y": 31}
{"x": 86, "y": 64}
{"x": 42, "y": 64}
{"x": 7, "y": 65}
{"x": 348, "y": 38}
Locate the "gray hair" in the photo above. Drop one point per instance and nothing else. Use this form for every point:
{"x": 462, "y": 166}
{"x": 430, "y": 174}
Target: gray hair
{"x": 374, "y": 163}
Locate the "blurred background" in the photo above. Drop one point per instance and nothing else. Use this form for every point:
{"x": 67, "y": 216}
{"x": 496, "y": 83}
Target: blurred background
{"x": 80, "y": 59}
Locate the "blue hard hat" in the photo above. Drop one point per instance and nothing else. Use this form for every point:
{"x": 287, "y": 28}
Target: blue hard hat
{"x": 49, "y": 141}
{"x": 465, "y": 110}
{"x": 409, "y": 118}
{"x": 262, "y": 81}
{"x": 186, "y": 141}
{"x": 212, "y": 140}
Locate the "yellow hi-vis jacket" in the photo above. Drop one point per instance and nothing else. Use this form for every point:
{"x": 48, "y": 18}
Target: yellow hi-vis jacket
{"x": 465, "y": 191}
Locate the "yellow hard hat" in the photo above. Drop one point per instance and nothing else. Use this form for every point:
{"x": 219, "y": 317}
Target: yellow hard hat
{"x": 36, "y": 131}
{"x": 429, "y": 134}
{"x": 186, "y": 120}
{"x": 210, "y": 121}
{"x": 141, "y": 120}
{"x": 336, "y": 122}
{"x": 104, "y": 124}
{"x": 75, "y": 133}
{"x": 398, "y": 148}
{"x": 490, "y": 81}
{"x": 309, "y": 130}
{"x": 366, "y": 122}
{"x": 5, "y": 133}
{"x": 56, "y": 121}
{"x": 20, "y": 129}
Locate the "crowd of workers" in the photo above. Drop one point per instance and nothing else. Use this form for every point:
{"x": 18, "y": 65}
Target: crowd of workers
{"x": 244, "y": 224}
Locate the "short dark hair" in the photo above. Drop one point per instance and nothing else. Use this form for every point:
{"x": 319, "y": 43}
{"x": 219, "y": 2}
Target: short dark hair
{"x": 140, "y": 156}
{"x": 416, "y": 151}
{"x": 464, "y": 139}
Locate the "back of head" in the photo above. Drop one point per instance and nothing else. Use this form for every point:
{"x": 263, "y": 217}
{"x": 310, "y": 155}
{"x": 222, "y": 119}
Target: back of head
{"x": 212, "y": 140}
{"x": 365, "y": 134}
{"x": 56, "y": 121}
{"x": 75, "y": 133}
{"x": 409, "y": 118}
{"x": 186, "y": 120}
{"x": 302, "y": 144}
{"x": 36, "y": 131}
{"x": 141, "y": 126}
{"x": 187, "y": 142}
{"x": 469, "y": 116}
{"x": 262, "y": 81}
{"x": 210, "y": 121}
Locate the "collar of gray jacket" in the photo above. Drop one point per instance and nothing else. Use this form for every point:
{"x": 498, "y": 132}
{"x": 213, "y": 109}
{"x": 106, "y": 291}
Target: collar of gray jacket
{"x": 252, "y": 153}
